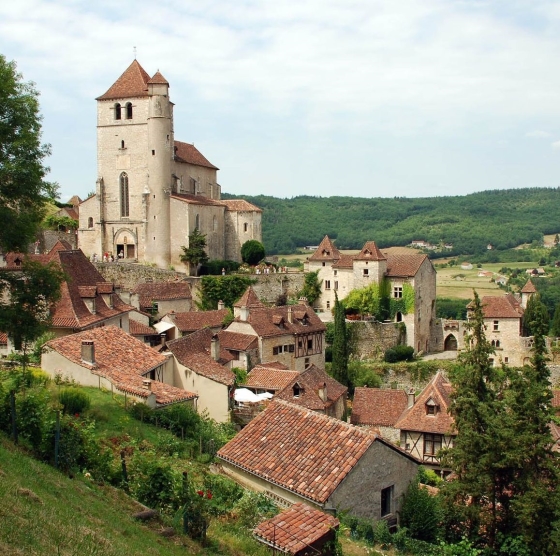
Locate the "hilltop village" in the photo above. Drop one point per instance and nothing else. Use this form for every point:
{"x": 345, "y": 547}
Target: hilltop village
{"x": 129, "y": 321}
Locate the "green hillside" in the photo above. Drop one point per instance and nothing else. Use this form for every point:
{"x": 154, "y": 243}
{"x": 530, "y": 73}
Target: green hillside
{"x": 504, "y": 218}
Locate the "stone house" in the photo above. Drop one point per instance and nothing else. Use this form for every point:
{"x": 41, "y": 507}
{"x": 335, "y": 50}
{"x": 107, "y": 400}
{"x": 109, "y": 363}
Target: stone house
{"x": 425, "y": 425}
{"x": 108, "y": 357}
{"x": 153, "y": 191}
{"x": 380, "y": 409}
{"x": 311, "y": 388}
{"x": 200, "y": 365}
{"x": 293, "y": 454}
{"x": 160, "y": 298}
{"x": 145, "y": 333}
{"x": 342, "y": 273}
{"x": 292, "y": 335}
{"x": 299, "y": 531}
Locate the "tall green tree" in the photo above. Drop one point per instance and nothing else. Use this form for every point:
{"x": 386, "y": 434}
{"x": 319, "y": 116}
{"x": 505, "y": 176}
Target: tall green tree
{"x": 535, "y": 312}
{"x": 340, "y": 352}
{"x": 311, "y": 287}
{"x": 555, "y": 326}
{"x": 195, "y": 254}
{"x": 23, "y": 188}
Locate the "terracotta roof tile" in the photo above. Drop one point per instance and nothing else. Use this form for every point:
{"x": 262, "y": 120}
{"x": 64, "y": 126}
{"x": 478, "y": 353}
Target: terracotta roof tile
{"x": 193, "y": 351}
{"x": 274, "y": 321}
{"x": 326, "y": 251}
{"x": 190, "y": 321}
{"x": 416, "y": 418}
{"x": 378, "y": 406}
{"x": 196, "y": 200}
{"x": 3, "y": 339}
{"x": 139, "y": 329}
{"x": 186, "y": 152}
{"x": 249, "y": 299}
{"x": 345, "y": 261}
{"x": 501, "y": 307}
{"x": 239, "y": 205}
{"x": 270, "y": 378}
{"x": 158, "y": 79}
{"x": 121, "y": 359}
{"x": 234, "y": 341}
{"x": 296, "y": 528}
{"x": 298, "y": 449}
{"x": 132, "y": 83}
{"x": 370, "y": 252}
{"x": 404, "y": 265}
{"x": 151, "y": 292}
{"x": 529, "y": 287}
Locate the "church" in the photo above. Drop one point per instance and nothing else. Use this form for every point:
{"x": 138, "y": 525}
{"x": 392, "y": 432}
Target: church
{"x": 153, "y": 191}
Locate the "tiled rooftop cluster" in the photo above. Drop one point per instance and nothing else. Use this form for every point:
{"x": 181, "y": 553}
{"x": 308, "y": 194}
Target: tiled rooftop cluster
{"x": 377, "y": 406}
{"x": 150, "y": 292}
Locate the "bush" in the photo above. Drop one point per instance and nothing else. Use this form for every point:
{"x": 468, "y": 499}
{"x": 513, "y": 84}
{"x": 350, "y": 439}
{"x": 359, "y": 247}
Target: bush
{"x": 421, "y": 513}
{"x": 399, "y": 353}
{"x": 252, "y": 508}
{"x": 381, "y": 533}
{"x": 214, "y": 268}
{"x": 74, "y": 401}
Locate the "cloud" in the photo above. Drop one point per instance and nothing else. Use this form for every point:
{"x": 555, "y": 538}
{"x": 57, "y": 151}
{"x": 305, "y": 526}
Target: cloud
{"x": 538, "y": 134}
{"x": 555, "y": 145}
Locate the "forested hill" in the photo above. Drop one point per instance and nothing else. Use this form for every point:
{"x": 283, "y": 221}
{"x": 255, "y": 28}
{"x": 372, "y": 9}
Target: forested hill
{"x": 504, "y": 218}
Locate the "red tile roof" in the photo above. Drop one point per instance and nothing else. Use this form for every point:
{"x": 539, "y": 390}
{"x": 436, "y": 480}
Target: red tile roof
{"x": 234, "y": 341}
{"x": 529, "y": 287}
{"x": 345, "y": 261}
{"x": 240, "y": 205}
{"x": 150, "y": 292}
{"x": 310, "y": 382}
{"x": 378, "y": 406}
{"x": 264, "y": 377}
{"x": 193, "y": 352}
{"x": 3, "y": 339}
{"x": 370, "y": 252}
{"x": 274, "y": 321}
{"x": 295, "y": 528}
{"x": 249, "y": 299}
{"x": 121, "y": 359}
{"x": 404, "y": 265}
{"x": 196, "y": 320}
{"x": 132, "y": 83}
{"x": 416, "y": 417}
{"x": 158, "y": 79}
{"x": 196, "y": 200}
{"x": 186, "y": 152}
{"x": 326, "y": 251}
{"x": 556, "y": 399}
{"x": 298, "y": 449}
{"x": 501, "y": 307}
{"x": 139, "y": 329}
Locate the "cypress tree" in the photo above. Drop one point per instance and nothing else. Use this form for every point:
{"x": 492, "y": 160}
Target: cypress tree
{"x": 340, "y": 352}
{"x": 555, "y": 327}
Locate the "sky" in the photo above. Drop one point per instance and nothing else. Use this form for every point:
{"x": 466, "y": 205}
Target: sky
{"x": 369, "y": 98}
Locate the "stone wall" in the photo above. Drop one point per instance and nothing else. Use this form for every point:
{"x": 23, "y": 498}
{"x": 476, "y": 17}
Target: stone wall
{"x": 269, "y": 286}
{"x": 372, "y": 339}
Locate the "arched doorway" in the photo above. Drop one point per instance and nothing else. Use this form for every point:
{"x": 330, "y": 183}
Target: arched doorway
{"x": 450, "y": 343}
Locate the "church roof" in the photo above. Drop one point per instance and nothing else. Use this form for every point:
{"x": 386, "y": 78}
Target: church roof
{"x": 158, "y": 79}
{"x": 132, "y": 83}
{"x": 326, "y": 251}
{"x": 529, "y": 287}
{"x": 240, "y": 205}
{"x": 196, "y": 199}
{"x": 186, "y": 152}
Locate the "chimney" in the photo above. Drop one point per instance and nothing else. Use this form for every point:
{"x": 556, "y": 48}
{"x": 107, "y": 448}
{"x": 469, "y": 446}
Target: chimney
{"x": 323, "y": 392}
{"x": 303, "y": 301}
{"x": 162, "y": 337}
{"x": 147, "y": 384}
{"x": 88, "y": 352}
{"x": 215, "y": 347}
{"x": 221, "y": 305}
{"x": 411, "y": 395}
{"x": 290, "y": 318}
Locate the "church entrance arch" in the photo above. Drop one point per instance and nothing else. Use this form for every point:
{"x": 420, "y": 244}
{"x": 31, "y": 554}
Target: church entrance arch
{"x": 125, "y": 245}
{"x": 450, "y": 343}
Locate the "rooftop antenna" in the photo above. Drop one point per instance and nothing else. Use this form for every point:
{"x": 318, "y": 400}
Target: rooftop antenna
{"x": 134, "y": 48}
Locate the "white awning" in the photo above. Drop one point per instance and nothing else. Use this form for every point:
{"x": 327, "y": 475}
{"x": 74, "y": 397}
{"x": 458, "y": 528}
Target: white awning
{"x": 245, "y": 395}
{"x": 162, "y": 327}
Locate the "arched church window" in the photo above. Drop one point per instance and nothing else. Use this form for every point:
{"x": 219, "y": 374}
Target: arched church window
{"x": 90, "y": 222}
{"x": 124, "y": 194}
{"x": 129, "y": 110}
{"x": 117, "y": 111}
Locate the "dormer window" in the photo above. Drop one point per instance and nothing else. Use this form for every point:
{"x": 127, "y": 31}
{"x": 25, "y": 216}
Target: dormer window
{"x": 117, "y": 111}
{"x": 298, "y": 390}
{"x": 431, "y": 407}
{"x": 326, "y": 253}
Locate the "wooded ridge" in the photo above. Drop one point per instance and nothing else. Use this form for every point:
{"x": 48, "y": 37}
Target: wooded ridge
{"x": 503, "y": 218}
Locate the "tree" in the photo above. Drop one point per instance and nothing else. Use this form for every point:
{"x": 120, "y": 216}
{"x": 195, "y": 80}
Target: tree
{"x": 535, "y": 311}
{"x": 252, "y": 252}
{"x": 555, "y": 327}
{"x": 195, "y": 253}
{"x": 311, "y": 287}
{"x": 556, "y": 239}
{"x": 23, "y": 189}
{"x": 340, "y": 344}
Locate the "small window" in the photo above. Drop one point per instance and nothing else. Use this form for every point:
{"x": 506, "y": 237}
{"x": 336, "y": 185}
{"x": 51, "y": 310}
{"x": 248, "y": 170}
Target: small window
{"x": 336, "y": 284}
{"x": 291, "y": 348}
{"x": 297, "y": 390}
{"x": 122, "y": 144}
{"x": 336, "y": 272}
{"x": 117, "y": 111}
{"x": 327, "y": 284}
{"x": 397, "y": 292}
{"x": 306, "y": 362}
{"x": 387, "y": 501}
{"x": 324, "y": 263}
{"x": 506, "y": 360}
{"x": 90, "y": 222}
{"x": 245, "y": 227}
{"x": 366, "y": 272}
{"x": 153, "y": 152}
{"x": 496, "y": 325}
{"x": 310, "y": 344}
{"x": 430, "y": 410}
{"x": 432, "y": 444}
{"x": 129, "y": 111}
{"x": 328, "y": 304}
